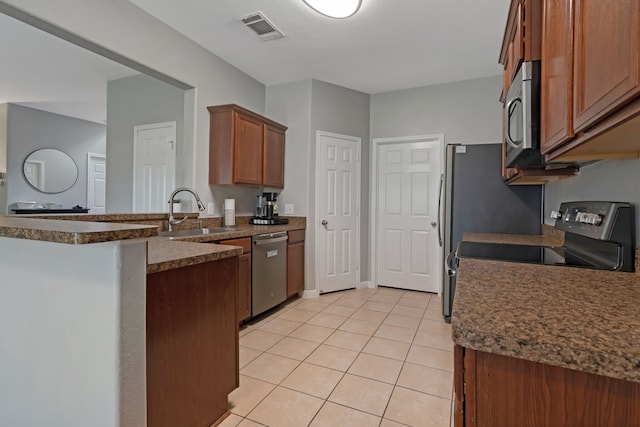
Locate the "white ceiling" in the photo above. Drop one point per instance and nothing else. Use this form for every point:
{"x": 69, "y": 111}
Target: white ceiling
{"x": 41, "y": 71}
{"x": 389, "y": 45}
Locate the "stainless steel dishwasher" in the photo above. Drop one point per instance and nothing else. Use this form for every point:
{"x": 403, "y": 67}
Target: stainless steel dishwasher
{"x": 268, "y": 271}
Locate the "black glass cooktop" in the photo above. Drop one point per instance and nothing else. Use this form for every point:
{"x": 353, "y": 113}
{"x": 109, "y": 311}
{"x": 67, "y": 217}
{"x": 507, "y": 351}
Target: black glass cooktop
{"x": 522, "y": 253}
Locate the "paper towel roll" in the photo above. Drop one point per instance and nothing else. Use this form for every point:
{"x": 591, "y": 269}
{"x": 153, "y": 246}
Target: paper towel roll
{"x": 229, "y": 212}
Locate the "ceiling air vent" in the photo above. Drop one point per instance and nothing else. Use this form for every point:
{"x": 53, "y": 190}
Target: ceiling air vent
{"x": 260, "y": 24}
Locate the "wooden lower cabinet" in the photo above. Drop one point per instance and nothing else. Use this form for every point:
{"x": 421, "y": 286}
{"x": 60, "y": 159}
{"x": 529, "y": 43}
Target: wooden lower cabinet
{"x": 295, "y": 263}
{"x": 244, "y": 287}
{"x": 494, "y": 390}
{"x": 244, "y": 276}
{"x": 192, "y": 343}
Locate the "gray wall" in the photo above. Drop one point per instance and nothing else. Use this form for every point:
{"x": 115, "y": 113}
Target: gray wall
{"x": 29, "y": 129}
{"x": 133, "y": 101}
{"x": 306, "y": 107}
{"x": 466, "y": 112}
{"x": 615, "y": 180}
{"x": 3, "y": 156}
{"x": 290, "y": 104}
{"x": 340, "y": 110}
{"x": 150, "y": 42}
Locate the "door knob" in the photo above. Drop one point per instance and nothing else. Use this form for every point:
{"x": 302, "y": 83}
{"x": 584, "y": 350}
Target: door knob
{"x": 433, "y": 224}
{"x": 324, "y": 222}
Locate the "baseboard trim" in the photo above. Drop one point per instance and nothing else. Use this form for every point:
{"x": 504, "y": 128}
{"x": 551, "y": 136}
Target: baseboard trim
{"x": 312, "y": 293}
{"x": 365, "y": 284}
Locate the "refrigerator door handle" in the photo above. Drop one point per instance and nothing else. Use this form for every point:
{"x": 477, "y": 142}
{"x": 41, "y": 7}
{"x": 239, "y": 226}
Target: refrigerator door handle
{"x": 452, "y": 264}
{"x": 439, "y": 209}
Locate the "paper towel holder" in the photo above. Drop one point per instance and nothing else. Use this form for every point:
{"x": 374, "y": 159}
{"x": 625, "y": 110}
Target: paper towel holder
{"x": 229, "y": 218}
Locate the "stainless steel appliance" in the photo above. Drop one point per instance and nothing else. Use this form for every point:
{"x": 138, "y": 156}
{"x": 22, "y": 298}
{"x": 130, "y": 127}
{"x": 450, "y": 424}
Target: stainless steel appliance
{"x": 267, "y": 210}
{"x": 598, "y": 235}
{"x": 261, "y": 210}
{"x": 522, "y": 118}
{"x": 268, "y": 271}
{"x": 477, "y": 200}
{"x": 271, "y": 204}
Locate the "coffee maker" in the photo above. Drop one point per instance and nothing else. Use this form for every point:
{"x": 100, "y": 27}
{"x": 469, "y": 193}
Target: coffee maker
{"x": 267, "y": 210}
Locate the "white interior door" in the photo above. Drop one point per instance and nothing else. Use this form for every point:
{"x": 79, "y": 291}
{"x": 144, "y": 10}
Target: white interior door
{"x": 96, "y": 183}
{"x": 154, "y": 164}
{"x": 408, "y": 178}
{"x": 338, "y": 196}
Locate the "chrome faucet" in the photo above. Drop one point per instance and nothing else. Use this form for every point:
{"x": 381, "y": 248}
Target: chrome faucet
{"x": 173, "y": 221}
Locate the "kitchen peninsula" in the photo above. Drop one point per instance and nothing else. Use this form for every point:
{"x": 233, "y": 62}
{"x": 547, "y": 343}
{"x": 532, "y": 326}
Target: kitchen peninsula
{"x": 83, "y": 313}
{"x": 542, "y": 345}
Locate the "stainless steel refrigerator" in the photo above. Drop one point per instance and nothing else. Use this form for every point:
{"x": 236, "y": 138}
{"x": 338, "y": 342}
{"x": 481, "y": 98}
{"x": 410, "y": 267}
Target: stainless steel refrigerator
{"x": 477, "y": 200}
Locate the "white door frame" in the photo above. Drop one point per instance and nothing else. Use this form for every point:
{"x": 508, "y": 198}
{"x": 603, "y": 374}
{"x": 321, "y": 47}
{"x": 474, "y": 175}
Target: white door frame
{"x": 89, "y": 186}
{"x": 40, "y": 166}
{"x": 373, "y": 194}
{"x": 138, "y": 128}
{"x": 358, "y": 142}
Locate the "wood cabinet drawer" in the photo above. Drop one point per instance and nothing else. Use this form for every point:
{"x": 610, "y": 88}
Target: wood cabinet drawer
{"x": 296, "y": 236}
{"x": 244, "y": 242}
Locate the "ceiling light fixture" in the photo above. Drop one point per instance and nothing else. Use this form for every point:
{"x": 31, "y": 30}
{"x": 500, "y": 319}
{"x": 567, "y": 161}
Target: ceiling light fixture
{"x": 335, "y": 8}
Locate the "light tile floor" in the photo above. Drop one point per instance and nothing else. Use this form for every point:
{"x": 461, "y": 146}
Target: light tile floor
{"x": 363, "y": 357}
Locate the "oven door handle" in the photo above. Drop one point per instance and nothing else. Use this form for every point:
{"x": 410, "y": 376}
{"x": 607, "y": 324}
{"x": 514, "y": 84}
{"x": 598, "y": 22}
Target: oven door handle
{"x": 507, "y": 134}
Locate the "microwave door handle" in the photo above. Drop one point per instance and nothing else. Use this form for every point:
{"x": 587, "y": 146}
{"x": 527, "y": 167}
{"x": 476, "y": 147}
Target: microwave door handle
{"x": 507, "y": 136}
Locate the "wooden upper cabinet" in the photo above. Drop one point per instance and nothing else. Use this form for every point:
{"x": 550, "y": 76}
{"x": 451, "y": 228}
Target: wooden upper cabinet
{"x": 556, "y": 111}
{"x": 245, "y": 148}
{"x": 523, "y": 29}
{"x": 273, "y": 157}
{"x": 606, "y": 59}
{"x": 522, "y": 38}
{"x": 516, "y": 52}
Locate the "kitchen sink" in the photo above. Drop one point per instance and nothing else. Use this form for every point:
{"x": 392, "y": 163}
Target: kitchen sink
{"x": 195, "y": 232}
{"x": 177, "y": 234}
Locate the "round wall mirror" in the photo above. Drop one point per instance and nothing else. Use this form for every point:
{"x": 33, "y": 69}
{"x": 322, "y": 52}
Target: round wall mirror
{"x": 50, "y": 170}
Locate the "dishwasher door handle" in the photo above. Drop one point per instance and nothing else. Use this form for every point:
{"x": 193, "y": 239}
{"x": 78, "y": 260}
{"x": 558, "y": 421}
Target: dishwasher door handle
{"x": 270, "y": 241}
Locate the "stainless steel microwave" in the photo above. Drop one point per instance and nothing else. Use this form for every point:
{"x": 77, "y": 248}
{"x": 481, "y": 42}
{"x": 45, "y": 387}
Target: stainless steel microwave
{"x": 522, "y": 118}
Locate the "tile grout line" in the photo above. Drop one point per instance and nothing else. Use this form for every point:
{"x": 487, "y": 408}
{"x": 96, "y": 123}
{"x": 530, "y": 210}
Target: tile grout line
{"x": 359, "y": 352}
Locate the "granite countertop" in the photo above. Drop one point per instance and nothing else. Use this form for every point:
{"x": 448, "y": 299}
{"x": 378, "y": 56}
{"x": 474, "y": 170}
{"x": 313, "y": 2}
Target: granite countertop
{"x": 576, "y": 318}
{"x": 43, "y": 214}
{"x": 71, "y": 232}
{"x": 165, "y": 254}
{"x": 240, "y": 230}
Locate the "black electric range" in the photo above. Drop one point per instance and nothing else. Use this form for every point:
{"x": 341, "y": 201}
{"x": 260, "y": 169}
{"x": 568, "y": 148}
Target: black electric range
{"x": 598, "y": 235}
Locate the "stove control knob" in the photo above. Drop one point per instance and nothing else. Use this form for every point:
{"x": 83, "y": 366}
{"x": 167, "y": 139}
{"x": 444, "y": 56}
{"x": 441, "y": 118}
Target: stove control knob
{"x": 556, "y": 214}
{"x": 582, "y": 217}
{"x": 593, "y": 218}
